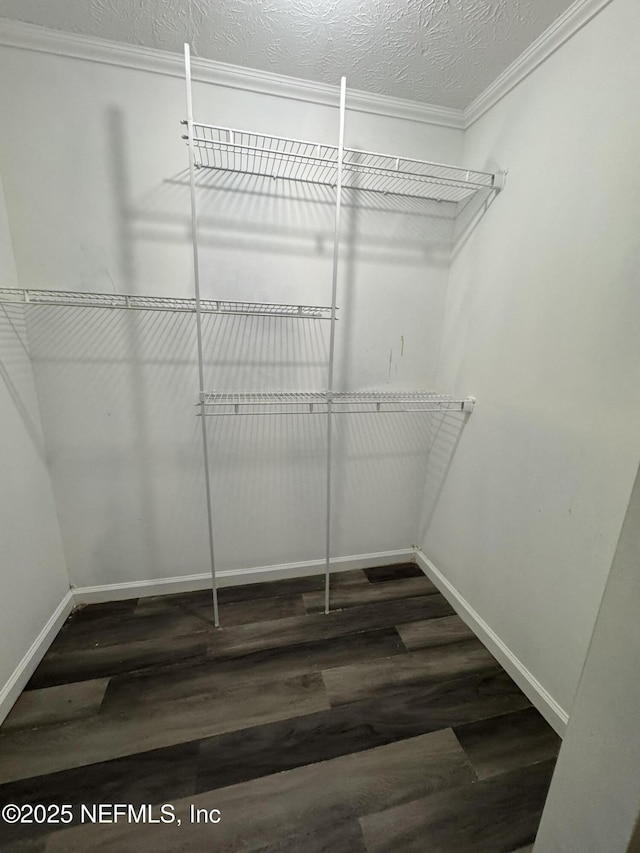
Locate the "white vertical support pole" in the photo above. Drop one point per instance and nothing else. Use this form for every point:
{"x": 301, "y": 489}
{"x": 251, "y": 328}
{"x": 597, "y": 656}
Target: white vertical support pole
{"x": 196, "y": 280}
{"x": 332, "y": 339}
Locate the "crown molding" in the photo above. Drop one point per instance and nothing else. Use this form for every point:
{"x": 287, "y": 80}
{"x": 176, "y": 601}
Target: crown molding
{"x": 16, "y": 34}
{"x": 564, "y": 28}
{"x": 23, "y": 36}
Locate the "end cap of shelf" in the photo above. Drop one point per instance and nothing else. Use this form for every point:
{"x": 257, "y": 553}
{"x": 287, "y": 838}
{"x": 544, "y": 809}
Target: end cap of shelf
{"x": 500, "y": 180}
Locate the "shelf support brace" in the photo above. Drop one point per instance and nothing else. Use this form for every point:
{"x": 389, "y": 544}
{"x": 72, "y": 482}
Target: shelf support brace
{"x": 196, "y": 281}
{"x": 332, "y": 338}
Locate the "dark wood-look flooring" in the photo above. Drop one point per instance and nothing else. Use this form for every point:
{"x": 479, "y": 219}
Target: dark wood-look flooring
{"x": 382, "y": 726}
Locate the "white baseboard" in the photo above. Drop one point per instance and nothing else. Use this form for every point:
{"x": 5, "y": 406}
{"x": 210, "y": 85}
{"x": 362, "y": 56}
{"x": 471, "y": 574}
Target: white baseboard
{"x": 165, "y": 586}
{"x": 235, "y": 577}
{"x": 548, "y": 707}
{"x": 554, "y": 714}
{"x": 25, "y": 669}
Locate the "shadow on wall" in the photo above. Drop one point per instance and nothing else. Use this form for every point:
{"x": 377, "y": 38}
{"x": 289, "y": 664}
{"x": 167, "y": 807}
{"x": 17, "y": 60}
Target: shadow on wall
{"x": 121, "y": 435}
{"x": 379, "y": 469}
{"x": 268, "y": 476}
{"x": 295, "y": 218}
{"x": 117, "y": 388}
{"x": 147, "y": 508}
{"x": 132, "y": 341}
{"x": 270, "y": 484}
{"x": 16, "y": 372}
{"x": 445, "y": 431}
{"x": 261, "y": 353}
{"x": 469, "y": 216}
{"x": 143, "y": 516}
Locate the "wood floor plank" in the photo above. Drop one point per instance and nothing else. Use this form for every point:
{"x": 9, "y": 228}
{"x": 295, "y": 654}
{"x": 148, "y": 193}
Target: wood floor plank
{"x": 237, "y": 641}
{"x": 81, "y": 664}
{"x": 367, "y": 680}
{"x": 161, "y": 684}
{"x": 52, "y": 748}
{"x": 263, "y": 750}
{"x": 232, "y": 642}
{"x": 154, "y": 777}
{"x": 380, "y": 574}
{"x": 289, "y": 586}
{"x": 194, "y": 600}
{"x": 434, "y": 632}
{"x": 295, "y": 802}
{"x": 168, "y": 774}
{"x": 508, "y": 741}
{"x": 340, "y": 837}
{"x": 492, "y": 816}
{"x": 103, "y": 609}
{"x": 262, "y": 609}
{"x": 232, "y": 613}
{"x": 239, "y": 718}
{"x": 129, "y": 628}
{"x": 369, "y": 594}
{"x": 26, "y": 845}
{"x": 56, "y": 704}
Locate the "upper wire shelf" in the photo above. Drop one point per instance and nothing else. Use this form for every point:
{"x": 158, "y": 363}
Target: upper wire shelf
{"x": 245, "y": 152}
{"x": 342, "y": 402}
{"x": 162, "y": 303}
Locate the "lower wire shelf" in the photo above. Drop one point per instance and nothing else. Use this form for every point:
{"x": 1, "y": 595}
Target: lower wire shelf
{"x": 223, "y": 403}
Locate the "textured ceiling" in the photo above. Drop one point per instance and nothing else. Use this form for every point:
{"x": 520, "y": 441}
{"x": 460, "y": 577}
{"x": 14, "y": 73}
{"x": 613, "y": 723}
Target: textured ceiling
{"x": 435, "y": 51}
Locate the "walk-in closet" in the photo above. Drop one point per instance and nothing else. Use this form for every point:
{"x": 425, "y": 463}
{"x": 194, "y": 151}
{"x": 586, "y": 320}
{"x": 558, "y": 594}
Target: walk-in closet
{"x": 319, "y": 417}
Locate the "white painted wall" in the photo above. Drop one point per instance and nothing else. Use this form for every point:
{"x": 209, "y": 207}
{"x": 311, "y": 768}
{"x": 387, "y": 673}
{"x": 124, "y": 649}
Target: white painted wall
{"x": 96, "y": 189}
{"x": 541, "y": 325}
{"x": 594, "y": 799}
{"x": 33, "y": 574}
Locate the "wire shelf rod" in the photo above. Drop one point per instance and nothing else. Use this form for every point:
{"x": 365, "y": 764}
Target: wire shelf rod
{"x": 284, "y": 148}
{"x": 263, "y": 152}
{"x": 336, "y": 396}
{"x": 333, "y": 148}
{"x": 391, "y": 175}
{"x": 430, "y": 163}
{"x": 459, "y": 407}
{"x": 81, "y": 299}
{"x": 237, "y": 130}
{"x": 350, "y": 168}
{"x": 318, "y": 402}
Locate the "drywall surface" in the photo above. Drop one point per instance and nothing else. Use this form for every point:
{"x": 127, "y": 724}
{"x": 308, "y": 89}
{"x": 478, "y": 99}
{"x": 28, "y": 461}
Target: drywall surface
{"x": 541, "y": 326}
{"x": 97, "y": 189}
{"x": 593, "y": 802}
{"x": 33, "y": 574}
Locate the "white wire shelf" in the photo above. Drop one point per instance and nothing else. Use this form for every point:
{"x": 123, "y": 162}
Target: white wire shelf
{"x": 277, "y": 157}
{"x": 161, "y": 303}
{"x": 222, "y": 403}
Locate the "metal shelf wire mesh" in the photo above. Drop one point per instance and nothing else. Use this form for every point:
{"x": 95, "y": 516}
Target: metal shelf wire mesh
{"x": 220, "y": 403}
{"x": 386, "y": 401}
{"x": 277, "y": 157}
{"x": 161, "y": 303}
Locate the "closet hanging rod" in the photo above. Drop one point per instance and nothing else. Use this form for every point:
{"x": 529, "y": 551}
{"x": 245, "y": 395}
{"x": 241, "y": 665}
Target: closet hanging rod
{"x": 81, "y": 299}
